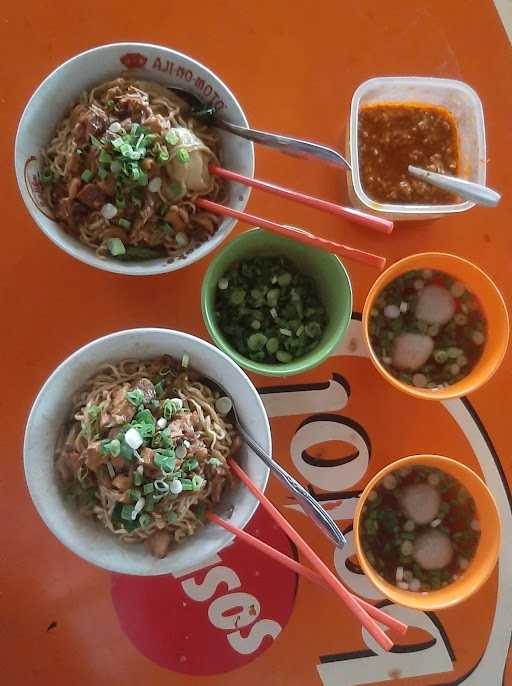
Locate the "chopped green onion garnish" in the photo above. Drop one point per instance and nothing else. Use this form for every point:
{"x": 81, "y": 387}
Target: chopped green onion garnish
{"x": 134, "y": 494}
{"x": 256, "y": 341}
{"x": 149, "y": 505}
{"x": 135, "y": 397}
{"x": 116, "y": 246}
{"x": 114, "y": 447}
{"x": 126, "y": 513}
{"x": 126, "y": 150}
{"x": 137, "y": 478}
{"x": 161, "y": 486}
{"x": 86, "y": 175}
{"x": 187, "y": 484}
{"x": 171, "y": 517}
{"x": 148, "y": 488}
{"x": 185, "y": 360}
{"x": 104, "y": 157}
{"x": 161, "y": 459}
{"x": 102, "y": 173}
{"x": 163, "y": 155}
{"x": 191, "y": 464}
{"x": 93, "y": 411}
{"x": 144, "y": 422}
{"x": 183, "y": 155}
{"x": 124, "y": 223}
{"x": 126, "y": 452}
{"x": 168, "y": 453}
{"x": 145, "y": 520}
{"x": 170, "y": 406}
{"x": 171, "y": 137}
{"x": 197, "y": 482}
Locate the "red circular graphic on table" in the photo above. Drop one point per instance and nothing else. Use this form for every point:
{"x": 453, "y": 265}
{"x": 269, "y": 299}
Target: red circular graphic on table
{"x": 215, "y": 619}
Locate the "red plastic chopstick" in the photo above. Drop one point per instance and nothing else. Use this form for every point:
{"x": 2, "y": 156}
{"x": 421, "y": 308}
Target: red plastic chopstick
{"x": 296, "y": 234}
{"x": 323, "y": 570}
{"x": 299, "y": 568}
{"x": 353, "y": 215}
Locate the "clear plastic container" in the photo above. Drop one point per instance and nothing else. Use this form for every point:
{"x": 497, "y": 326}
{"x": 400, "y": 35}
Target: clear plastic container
{"x": 457, "y": 97}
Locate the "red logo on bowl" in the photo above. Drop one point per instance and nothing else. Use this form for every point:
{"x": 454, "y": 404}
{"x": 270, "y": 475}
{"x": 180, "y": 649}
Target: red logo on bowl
{"x": 134, "y": 60}
{"x": 214, "y": 619}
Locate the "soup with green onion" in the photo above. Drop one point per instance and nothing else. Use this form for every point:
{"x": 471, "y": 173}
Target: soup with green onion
{"x": 419, "y": 528}
{"x": 427, "y": 329}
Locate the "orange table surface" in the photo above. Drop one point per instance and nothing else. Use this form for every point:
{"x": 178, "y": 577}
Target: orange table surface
{"x": 294, "y": 67}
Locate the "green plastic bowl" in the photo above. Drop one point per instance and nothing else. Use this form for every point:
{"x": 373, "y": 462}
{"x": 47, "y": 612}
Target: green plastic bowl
{"x": 328, "y": 273}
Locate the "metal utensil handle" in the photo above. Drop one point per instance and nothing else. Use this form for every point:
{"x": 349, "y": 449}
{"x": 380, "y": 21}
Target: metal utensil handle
{"x": 315, "y": 511}
{"x": 475, "y": 192}
{"x": 290, "y": 146}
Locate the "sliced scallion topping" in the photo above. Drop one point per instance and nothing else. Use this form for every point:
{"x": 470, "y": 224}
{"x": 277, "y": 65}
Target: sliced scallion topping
{"x": 145, "y": 520}
{"x": 115, "y": 246}
{"x": 135, "y": 397}
{"x": 197, "y": 482}
{"x": 171, "y": 137}
{"x": 87, "y": 175}
{"x": 183, "y": 155}
{"x": 104, "y": 157}
{"x": 126, "y": 513}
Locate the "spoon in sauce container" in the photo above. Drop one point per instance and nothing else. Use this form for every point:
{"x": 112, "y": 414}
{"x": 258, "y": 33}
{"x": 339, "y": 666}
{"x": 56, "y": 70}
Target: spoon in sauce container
{"x": 474, "y": 192}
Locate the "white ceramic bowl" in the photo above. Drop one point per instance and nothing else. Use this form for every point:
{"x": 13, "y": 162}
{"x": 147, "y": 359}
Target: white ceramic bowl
{"x": 62, "y": 88}
{"x": 86, "y": 537}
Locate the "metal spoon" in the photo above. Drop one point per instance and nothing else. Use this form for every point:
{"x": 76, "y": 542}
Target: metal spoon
{"x": 295, "y": 147}
{"x": 311, "y": 507}
{"x": 475, "y": 192}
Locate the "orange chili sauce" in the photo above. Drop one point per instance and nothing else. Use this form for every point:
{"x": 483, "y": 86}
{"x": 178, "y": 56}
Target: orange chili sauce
{"x": 391, "y": 136}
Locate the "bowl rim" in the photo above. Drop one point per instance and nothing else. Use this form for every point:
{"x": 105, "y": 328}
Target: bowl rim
{"x": 80, "y": 549}
{"x": 82, "y": 252}
{"x": 302, "y": 364}
{"x": 394, "y": 270}
{"x": 405, "y": 210}
{"x": 407, "y": 598}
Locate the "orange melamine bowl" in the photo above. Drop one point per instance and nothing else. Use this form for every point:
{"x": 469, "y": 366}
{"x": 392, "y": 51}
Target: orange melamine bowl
{"x": 480, "y": 567}
{"x": 492, "y": 303}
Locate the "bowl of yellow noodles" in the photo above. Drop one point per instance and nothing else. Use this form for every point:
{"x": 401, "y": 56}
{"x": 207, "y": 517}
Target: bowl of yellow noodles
{"x": 128, "y": 447}
{"x": 113, "y": 165}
